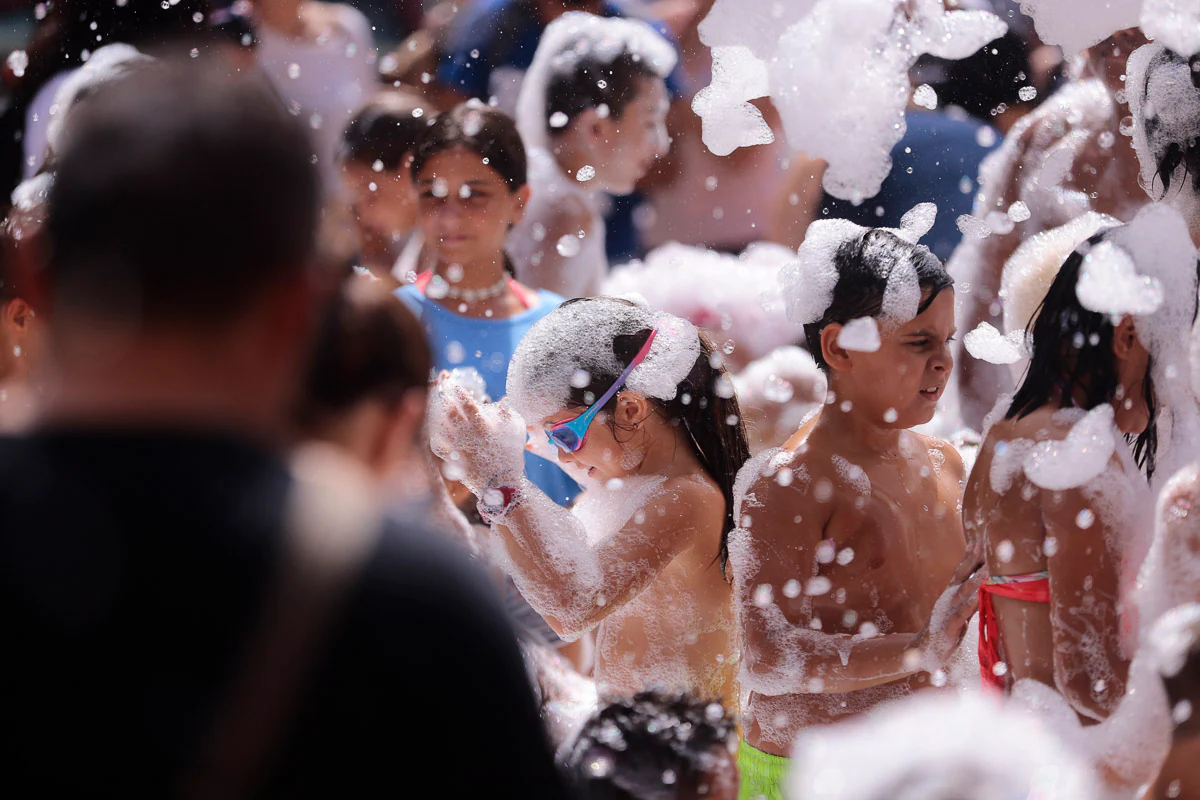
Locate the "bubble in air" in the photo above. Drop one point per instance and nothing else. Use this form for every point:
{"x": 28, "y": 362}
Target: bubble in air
{"x": 791, "y": 589}
{"x": 1027, "y": 93}
{"x": 925, "y": 96}
{"x": 1085, "y": 519}
{"x": 585, "y": 173}
{"x": 763, "y": 595}
{"x": 818, "y": 586}
{"x": 293, "y": 71}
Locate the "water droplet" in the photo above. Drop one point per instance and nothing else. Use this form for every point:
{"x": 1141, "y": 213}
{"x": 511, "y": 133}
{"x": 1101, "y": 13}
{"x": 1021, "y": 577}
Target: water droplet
{"x": 568, "y": 246}
{"x": 559, "y": 120}
{"x": 763, "y": 595}
{"x": 1027, "y": 93}
{"x": 455, "y": 352}
{"x": 585, "y": 173}
{"x": 818, "y": 586}
{"x": 791, "y": 588}
{"x": 999, "y": 669}
{"x": 890, "y": 415}
{"x": 293, "y": 71}
{"x": 17, "y": 61}
{"x": 1085, "y": 519}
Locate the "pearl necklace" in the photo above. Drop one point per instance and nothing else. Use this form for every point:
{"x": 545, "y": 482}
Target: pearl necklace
{"x": 469, "y": 295}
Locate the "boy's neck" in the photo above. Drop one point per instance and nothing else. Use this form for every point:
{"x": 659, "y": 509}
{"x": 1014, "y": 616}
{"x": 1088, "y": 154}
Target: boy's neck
{"x": 854, "y": 431}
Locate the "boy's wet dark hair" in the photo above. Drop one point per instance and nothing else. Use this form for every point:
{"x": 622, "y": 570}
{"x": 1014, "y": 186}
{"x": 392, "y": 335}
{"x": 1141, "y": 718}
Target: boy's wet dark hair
{"x": 485, "y": 131}
{"x": 863, "y": 265}
{"x": 1175, "y": 153}
{"x": 182, "y": 193}
{"x": 595, "y": 82}
{"x": 385, "y": 130}
{"x": 369, "y": 347}
{"x": 651, "y": 747}
{"x": 993, "y": 75}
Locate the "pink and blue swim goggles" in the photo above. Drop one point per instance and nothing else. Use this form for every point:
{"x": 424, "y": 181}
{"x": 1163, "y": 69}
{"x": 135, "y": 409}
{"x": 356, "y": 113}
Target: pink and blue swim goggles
{"x": 570, "y": 434}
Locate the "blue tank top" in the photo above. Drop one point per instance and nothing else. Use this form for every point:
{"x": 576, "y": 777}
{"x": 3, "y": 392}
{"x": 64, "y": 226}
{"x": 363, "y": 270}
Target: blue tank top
{"x": 487, "y": 345}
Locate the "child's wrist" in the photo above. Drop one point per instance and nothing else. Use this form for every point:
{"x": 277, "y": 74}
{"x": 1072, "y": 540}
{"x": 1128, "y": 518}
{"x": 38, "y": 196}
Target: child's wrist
{"x": 499, "y": 498}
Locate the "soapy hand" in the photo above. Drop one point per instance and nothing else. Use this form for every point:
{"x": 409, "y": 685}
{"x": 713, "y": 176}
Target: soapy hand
{"x": 482, "y": 444}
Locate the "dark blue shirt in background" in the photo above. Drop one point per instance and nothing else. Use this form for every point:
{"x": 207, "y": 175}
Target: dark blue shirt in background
{"x": 936, "y": 161}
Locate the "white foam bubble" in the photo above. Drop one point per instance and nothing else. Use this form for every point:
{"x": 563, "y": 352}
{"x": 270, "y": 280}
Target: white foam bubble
{"x": 1174, "y": 23}
{"x": 1079, "y": 458}
{"x": 860, "y": 334}
{"x": 1078, "y": 24}
{"x": 988, "y": 344}
{"x": 1109, "y": 283}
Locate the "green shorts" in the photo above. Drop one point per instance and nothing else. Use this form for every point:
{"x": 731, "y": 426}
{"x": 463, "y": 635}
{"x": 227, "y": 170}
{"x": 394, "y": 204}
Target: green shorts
{"x": 762, "y": 773}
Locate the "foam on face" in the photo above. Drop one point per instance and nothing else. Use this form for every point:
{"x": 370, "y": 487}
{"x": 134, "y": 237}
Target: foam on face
{"x": 861, "y": 335}
{"x": 565, "y": 42}
{"x": 578, "y": 338}
{"x": 737, "y": 299}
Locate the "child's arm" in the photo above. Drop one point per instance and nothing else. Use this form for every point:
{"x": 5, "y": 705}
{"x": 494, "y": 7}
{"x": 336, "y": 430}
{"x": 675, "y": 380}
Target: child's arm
{"x": 1089, "y": 669}
{"x": 786, "y": 646}
{"x": 575, "y": 584}
{"x": 572, "y": 582}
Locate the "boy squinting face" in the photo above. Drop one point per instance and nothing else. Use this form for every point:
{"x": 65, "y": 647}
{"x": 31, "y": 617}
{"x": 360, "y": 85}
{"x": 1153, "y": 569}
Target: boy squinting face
{"x": 628, "y": 147}
{"x": 900, "y": 384}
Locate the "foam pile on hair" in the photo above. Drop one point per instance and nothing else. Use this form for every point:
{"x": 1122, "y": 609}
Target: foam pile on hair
{"x": 107, "y": 65}
{"x": 838, "y": 74}
{"x": 568, "y": 40}
{"x": 569, "y": 345}
{"x": 1165, "y": 107}
{"x": 928, "y": 747}
{"x": 737, "y": 299}
{"x": 809, "y": 281}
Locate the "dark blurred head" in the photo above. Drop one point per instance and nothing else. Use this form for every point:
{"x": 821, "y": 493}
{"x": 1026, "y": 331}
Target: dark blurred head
{"x": 989, "y": 81}
{"x": 655, "y": 747}
{"x": 385, "y": 130}
{"x": 183, "y": 196}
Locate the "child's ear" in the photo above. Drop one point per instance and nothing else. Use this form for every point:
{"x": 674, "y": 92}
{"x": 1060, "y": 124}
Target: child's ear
{"x": 1124, "y": 338}
{"x": 632, "y": 409}
{"x": 591, "y": 127}
{"x": 836, "y": 356}
{"x": 520, "y": 203}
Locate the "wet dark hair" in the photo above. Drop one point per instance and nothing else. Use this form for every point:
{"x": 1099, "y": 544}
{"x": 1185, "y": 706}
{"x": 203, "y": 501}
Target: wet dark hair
{"x": 1186, "y": 152}
{"x": 864, "y": 264}
{"x": 1073, "y": 362}
{"x": 369, "y": 347}
{"x": 639, "y": 739}
{"x": 384, "y": 130}
{"x": 612, "y": 82}
{"x": 698, "y": 405}
{"x": 485, "y": 131}
{"x": 184, "y": 191}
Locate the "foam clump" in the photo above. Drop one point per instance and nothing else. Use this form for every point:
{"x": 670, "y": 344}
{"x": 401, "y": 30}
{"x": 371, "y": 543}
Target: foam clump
{"x": 734, "y": 298}
{"x": 728, "y": 119}
{"x": 861, "y": 335}
{"x": 839, "y": 77}
{"x": 973, "y": 227}
{"x": 1174, "y": 23}
{"x": 107, "y": 65}
{"x": 809, "y": 281}
{"x": 917, "y": 222}
{"x": 565, "y": 42}
{"x": 469, "y": 457}
{"x": 753, "y": 24}
{"x": 938, "y": 747}
{"x": 925, "y": 96}
{"x": 1031, "y": 269}
{"x": 1109, "y": 283}
{"x": 1175, "y": 635}
{"x": 1080, "y": 458}
{"x": 1165, "y": 107}
{"x": 1076, "y": 25}
{"x": 988, "y": 344}
{"x": 579, "y": 337}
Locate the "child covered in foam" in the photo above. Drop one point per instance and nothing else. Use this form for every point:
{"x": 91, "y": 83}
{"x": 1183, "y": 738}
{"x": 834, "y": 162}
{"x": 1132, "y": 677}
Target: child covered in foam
{"x": 850, "y": 532}
{"x": 632, "y": 400}
{"x": 592, "y": 113}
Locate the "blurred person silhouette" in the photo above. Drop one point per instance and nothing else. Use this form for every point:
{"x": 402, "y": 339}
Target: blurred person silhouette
{"x": 186, "y": 614}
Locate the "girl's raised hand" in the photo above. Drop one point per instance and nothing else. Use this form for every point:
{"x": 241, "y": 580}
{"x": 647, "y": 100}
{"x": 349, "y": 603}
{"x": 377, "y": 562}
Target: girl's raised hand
{"x": 483, "y": 444}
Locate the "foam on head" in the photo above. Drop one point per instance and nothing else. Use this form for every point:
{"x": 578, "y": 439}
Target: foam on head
{"x": 566, "y": 42}
{"x": 1165, "y": 106}
{"x": 575, "y": 341}
{"x": 1076, "y": 25}
{"x": 1173, "y": 23}
{"x": 104, "y": 66}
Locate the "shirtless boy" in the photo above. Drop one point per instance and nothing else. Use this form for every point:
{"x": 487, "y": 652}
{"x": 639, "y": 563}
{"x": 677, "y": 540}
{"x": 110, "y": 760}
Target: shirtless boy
{"x": 850, "y": 533}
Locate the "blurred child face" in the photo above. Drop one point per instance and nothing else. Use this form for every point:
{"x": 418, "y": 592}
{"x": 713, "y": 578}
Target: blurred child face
{"x": 900, "y": 384}
{"x": 384, "y": 203}
{"x": 465, "y": 207}
{"x": 626, "y": 148}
